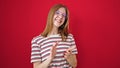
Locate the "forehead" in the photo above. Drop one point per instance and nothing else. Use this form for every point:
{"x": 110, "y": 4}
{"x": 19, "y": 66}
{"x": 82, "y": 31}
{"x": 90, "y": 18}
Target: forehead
{"x": 62, "y": 10}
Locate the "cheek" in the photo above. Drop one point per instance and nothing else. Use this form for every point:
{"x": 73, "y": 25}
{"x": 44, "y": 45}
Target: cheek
{"x": 54, "y": 16}
{"x": 63, "y": 20}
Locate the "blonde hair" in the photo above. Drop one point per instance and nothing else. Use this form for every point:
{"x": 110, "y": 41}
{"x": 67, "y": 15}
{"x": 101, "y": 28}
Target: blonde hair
{"x": 63, "y": 29}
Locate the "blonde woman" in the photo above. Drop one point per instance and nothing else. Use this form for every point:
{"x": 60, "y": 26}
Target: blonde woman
{"x": 55, "y": 46}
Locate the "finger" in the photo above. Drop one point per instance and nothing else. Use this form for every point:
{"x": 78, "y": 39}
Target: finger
{"x": 67, "y": 54}
{"x": 68, "y": 51}
{"x": 55, "y": 44}
{"x": 52, "y": 48}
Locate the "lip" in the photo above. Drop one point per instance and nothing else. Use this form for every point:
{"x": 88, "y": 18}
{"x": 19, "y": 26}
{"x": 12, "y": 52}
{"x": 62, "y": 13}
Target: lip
{"x": 59, "y": 21}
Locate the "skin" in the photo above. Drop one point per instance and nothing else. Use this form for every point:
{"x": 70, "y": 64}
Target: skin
{"x": 58, "y": 20}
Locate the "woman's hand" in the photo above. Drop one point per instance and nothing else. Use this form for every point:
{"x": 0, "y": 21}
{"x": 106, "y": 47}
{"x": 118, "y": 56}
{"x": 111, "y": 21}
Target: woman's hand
{"x": 71, "y": 58}
{"x": 53, "y": 50}
{"x": 46, "y": 63}
{"x": 68, "y": 53}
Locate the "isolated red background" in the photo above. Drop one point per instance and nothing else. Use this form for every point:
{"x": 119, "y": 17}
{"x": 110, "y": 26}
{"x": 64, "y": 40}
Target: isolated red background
{"x": 95, "y": 25}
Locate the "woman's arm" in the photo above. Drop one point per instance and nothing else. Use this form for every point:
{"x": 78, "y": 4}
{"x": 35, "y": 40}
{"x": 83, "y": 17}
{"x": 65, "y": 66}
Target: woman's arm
{"x": 71, "y": 58}
{"x": 46, "y": 63}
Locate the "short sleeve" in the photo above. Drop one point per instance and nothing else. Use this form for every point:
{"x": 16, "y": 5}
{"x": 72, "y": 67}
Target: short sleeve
{"x": 35, "y": 51}
{"x": 73, "y": 44}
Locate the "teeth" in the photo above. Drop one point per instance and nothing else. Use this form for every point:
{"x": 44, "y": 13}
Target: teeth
{"x": 59, "y": 21}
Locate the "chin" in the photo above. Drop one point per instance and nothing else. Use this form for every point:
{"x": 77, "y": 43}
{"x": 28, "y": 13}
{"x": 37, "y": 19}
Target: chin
{"x": 57, "y": 24}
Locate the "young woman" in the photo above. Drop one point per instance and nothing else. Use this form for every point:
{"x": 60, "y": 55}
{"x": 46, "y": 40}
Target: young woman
{"x": 55, "y": 46}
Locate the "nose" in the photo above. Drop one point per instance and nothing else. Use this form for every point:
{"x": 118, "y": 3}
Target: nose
{"x": 60, "y": 16}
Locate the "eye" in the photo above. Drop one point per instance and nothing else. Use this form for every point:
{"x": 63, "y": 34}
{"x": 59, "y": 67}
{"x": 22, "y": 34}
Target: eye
{"x": 64, "y": 15}
{"x": 57, "y": 12}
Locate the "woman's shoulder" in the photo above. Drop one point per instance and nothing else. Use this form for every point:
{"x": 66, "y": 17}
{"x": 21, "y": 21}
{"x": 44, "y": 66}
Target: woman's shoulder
{"x": 70, "y": 34}
{"x": 37, "y": 37}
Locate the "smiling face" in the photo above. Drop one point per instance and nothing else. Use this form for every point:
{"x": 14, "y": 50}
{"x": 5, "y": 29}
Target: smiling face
{"x": 59, "y": 17}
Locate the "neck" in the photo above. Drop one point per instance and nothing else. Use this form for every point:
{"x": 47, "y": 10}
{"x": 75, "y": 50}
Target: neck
{"x": 54, "y": 30}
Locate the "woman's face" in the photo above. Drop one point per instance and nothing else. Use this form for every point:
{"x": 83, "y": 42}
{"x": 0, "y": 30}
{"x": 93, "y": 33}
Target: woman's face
{"x": 59, "y": 17}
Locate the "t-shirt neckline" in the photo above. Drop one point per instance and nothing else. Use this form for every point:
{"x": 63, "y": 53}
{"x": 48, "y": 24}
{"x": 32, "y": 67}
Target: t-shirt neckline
{"x": 53, "y": 35}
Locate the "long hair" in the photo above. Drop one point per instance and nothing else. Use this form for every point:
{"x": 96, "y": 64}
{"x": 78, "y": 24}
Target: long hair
{"x": 63, "y": 29}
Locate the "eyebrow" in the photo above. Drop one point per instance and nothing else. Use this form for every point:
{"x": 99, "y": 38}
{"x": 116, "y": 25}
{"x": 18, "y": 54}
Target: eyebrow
{"x": 60, "y": 12}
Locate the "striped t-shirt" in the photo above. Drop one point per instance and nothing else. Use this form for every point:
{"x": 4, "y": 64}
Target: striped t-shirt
{"x": 40, "y": 49}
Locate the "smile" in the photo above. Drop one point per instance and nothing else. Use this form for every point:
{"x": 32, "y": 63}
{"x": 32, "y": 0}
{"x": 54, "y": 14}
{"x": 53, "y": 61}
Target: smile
{"x": 59, "y": 21}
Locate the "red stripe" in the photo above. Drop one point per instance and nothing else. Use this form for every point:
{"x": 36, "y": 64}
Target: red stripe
{"x": 35, "y": 54}
{"x": 36, "y": 58}
{"x": 35, "y": 50}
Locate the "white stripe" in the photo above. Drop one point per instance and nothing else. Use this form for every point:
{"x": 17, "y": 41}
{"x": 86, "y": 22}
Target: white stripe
{"x": 35, "y": 53}
{"x": 61, "y": 46}
{"x": 34, "y": 45}
{"x": 35, "y": 60}
{"x": 35, "y": 49}
{"x": 59, "y": 54}
{"x": 58, "y": 59}
{"x": 33, "y": 57}
{"x": 61, "y": 50}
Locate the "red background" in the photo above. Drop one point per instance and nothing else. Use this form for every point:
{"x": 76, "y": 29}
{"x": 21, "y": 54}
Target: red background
{"x": 95, "y": 25}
